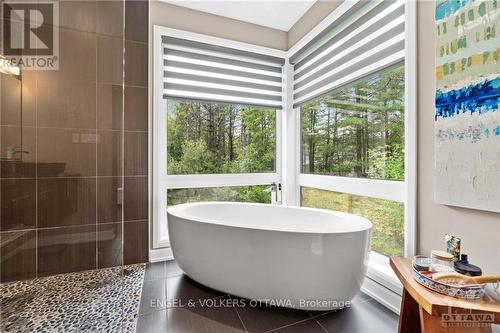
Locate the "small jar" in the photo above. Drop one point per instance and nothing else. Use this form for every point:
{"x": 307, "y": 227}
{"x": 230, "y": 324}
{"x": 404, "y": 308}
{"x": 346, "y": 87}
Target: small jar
{"x": 421, "y": 263}
{"x": 441, "y": 261}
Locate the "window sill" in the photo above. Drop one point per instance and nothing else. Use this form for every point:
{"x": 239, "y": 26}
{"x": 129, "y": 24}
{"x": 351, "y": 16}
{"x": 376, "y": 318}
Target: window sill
{"x": 382, "y": 283}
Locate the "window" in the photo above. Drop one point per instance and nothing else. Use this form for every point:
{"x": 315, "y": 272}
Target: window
{"x": 386, "y": 216}
{"x": 233, "y": 193}
{"x": 217, "y": 122}
{"x": 211, "y": 138}
{"x": 357, "y": 131}
{"x": 351, "y": 84}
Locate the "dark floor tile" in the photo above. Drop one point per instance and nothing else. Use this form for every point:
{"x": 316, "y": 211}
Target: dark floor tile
{"x": 265, "y": 317}
{"x": 359, "y": 298}
{"x": 153, "y": 296}
{"x": 369, "y": 316}
{"x": 172, "y": 268}
{"x": 307, "y": 326}
{"x": 152, "y": 322}
{"x": 204, "y": 319}
{"x": 155, "y": 271}
{"x": 182, "y": 289}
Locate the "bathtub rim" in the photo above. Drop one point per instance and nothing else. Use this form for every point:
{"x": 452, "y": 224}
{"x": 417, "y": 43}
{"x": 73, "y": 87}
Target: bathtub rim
{"x": 179, "y": 212}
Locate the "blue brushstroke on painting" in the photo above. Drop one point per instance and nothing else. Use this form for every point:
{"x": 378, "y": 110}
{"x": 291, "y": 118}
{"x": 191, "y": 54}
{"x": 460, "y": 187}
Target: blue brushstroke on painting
{"x": 445, "y": 8}
{"x": 497, "y": 131}
{"x": 481, "y": 98}
{"x": 474, "y": 134}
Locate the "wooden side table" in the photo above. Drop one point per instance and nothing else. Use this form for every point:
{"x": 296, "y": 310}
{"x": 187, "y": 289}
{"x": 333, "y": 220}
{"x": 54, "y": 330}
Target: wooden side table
{"x": 425, "y": 311}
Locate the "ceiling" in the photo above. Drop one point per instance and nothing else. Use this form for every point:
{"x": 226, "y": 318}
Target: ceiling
{"x": 277, "y": 14}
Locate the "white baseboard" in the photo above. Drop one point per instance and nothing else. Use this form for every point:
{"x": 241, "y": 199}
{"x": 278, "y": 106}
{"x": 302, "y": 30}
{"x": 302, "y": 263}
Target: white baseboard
{"x": 162, "y": 254}
{"x": 381, "y": 294}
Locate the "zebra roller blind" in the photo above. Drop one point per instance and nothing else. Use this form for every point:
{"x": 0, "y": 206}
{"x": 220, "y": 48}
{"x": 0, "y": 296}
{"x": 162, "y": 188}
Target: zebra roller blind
{"x": 199, "y": 71}
{"x": 366, "y": 38}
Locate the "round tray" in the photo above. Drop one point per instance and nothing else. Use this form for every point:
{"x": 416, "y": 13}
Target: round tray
{"x": 473, "y": 291}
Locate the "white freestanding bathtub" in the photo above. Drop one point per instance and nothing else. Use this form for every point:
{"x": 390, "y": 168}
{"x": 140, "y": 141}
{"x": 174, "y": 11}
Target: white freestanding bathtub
{"x": 296, "y": 257}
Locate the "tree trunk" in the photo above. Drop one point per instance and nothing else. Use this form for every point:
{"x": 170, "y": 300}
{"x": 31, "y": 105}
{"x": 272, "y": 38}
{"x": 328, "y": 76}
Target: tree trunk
{"x": 326, "y": 165}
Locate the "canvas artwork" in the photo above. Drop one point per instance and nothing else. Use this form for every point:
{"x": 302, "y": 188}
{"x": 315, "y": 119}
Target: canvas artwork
{"x": 467, "y": 119}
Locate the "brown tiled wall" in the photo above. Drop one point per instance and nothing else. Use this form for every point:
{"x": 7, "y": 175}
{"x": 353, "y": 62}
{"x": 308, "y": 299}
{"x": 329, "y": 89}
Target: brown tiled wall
{"x": 82, "y": 188}
{"x": 135, "y": 124}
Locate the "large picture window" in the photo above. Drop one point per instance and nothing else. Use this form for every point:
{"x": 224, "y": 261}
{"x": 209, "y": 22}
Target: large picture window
{"x": 357, "y": 131}
{"x": 217, "y": 122}
{"x": 212, "y": 138}
{"x": 387, "y": 216}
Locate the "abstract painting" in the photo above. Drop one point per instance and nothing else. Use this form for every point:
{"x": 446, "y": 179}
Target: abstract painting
{"x": 467, "y": 119}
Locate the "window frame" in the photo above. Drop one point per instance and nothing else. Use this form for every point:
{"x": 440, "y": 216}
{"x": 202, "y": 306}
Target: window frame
{"x": 162, "y": 181}
{"x": 401, "y": 191}
{"x": 288, "y": 145}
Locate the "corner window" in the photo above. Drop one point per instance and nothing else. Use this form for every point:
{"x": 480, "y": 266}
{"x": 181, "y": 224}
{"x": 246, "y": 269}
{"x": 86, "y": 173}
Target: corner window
{"x": 357, "y": 131}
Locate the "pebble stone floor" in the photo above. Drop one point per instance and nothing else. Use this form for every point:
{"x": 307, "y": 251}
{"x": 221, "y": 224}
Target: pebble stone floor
{"x": 166, "y": 288}
{"x": 104, "y": 300}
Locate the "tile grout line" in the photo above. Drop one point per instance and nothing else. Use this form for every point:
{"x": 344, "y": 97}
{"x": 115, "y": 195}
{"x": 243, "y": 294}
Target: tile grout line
{"x": 321, "y": 314}
{"x": 238, "y": 314}
{"x": 322, "y": 327}
{"x": 241, "y": 320}
{"x": 36, "y": 172}
{"x": 292, "y": 324}
{"x": 96, "y": 122}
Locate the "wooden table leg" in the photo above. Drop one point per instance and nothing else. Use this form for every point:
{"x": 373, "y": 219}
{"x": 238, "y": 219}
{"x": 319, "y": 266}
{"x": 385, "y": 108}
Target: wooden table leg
{"x": 435, "y": 324}
{"x": 409, "y": 320}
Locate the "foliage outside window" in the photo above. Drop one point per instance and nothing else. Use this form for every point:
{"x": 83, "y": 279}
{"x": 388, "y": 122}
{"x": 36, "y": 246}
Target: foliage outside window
{"x": 232, "y": 193}
{"x": 210, "y": 138}
{"x": 386, "y": 216}
{"x": 357, "y": 131}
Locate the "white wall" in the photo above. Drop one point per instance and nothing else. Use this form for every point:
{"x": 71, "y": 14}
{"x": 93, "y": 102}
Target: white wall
{"x": 181, "y": 18}
{"x": 311, "y": 18}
